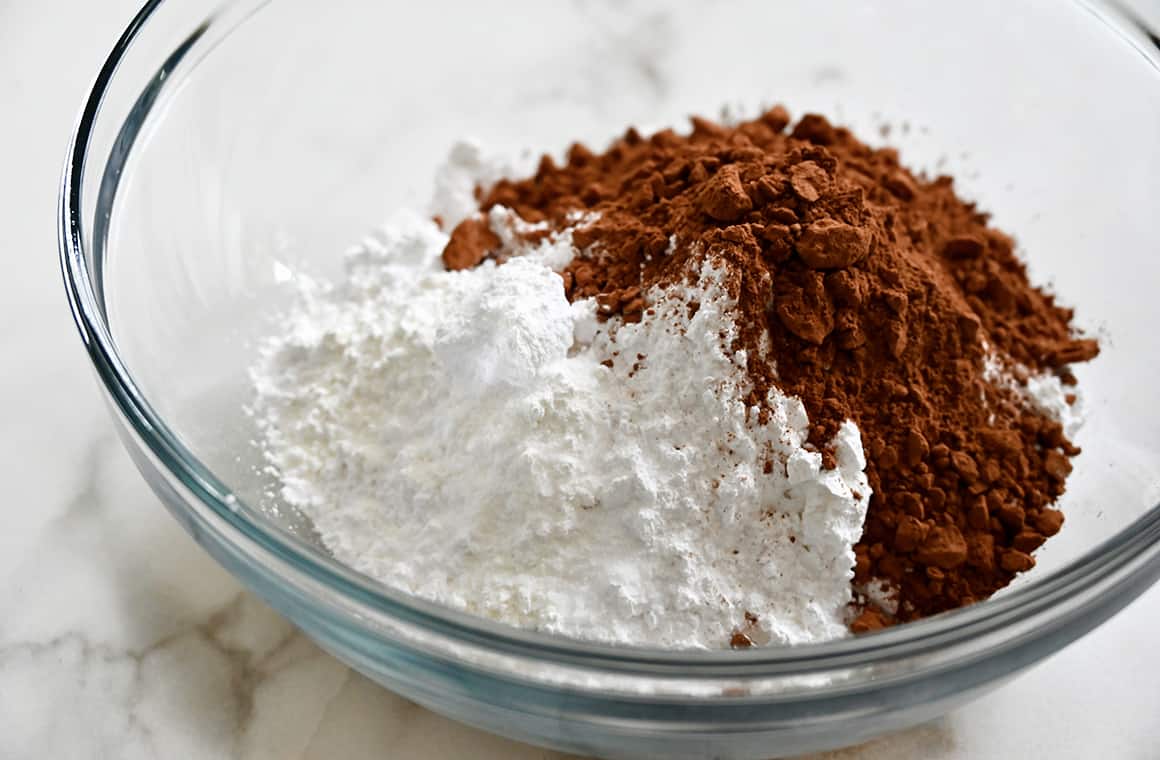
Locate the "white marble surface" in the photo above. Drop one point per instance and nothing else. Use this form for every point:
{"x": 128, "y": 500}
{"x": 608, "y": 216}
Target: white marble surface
{"x": 119, "y": 638}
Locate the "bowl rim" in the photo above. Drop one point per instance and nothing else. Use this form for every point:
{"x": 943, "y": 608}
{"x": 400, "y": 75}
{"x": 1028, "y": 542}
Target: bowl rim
{"x": 1133, "y": 551}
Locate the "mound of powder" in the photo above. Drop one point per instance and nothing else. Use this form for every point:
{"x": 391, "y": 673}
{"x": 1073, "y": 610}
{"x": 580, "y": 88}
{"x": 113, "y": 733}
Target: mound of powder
{"x": 476, "y": 438}
{"x": 868, "y": 293}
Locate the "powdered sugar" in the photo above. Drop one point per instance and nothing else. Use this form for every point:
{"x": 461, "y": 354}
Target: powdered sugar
{"x": 474, "y": 439}
{"x": 1042, "y": 391}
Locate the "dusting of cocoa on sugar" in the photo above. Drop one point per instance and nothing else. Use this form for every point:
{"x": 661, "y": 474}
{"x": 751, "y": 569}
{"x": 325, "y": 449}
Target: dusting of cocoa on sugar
{"x": 872, "y": 294}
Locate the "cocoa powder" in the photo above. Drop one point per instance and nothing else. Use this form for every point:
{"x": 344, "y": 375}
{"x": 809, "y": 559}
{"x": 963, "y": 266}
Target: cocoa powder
{"x": 871, "y": 293}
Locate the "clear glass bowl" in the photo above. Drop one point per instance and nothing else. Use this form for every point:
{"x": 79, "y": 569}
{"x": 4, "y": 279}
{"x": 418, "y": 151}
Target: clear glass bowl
{"x": 223, "y": 148}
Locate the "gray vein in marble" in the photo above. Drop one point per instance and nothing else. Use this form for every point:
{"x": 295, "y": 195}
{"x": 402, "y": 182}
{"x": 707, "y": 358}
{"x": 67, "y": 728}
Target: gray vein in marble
{"x": 623, "y": 51}
{"x": 85, "y": 499}
{"x": 319, "y": 726}
{"x": 638, "y": 40}
{"x": 248, "y": 668}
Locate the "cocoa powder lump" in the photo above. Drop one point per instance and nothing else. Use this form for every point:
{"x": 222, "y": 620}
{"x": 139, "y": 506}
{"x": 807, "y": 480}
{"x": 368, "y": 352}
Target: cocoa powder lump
{"x": 869, "y": 292}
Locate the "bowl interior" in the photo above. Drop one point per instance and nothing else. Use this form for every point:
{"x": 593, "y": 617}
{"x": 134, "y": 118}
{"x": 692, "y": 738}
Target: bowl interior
{"x": 302, "y": 130}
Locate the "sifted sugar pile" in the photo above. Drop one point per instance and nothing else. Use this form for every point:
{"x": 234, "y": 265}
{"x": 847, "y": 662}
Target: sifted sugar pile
{"x": 475, "y": 439}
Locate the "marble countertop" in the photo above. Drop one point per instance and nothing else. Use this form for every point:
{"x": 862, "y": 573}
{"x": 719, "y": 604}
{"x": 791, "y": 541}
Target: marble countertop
{"x": 119, "y": 638}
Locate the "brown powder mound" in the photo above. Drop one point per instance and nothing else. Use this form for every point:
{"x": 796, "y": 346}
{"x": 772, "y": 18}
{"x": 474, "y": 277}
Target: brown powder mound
{"x": 870, "y": 293}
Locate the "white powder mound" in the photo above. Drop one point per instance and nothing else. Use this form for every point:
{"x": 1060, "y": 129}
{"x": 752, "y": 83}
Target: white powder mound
{"x": 460, "y": 436}
{"x": 1042, "y": 391}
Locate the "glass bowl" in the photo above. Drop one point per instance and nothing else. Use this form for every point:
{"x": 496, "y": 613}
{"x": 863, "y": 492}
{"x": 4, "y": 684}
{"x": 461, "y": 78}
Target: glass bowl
{"x": 223, "y": 149}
